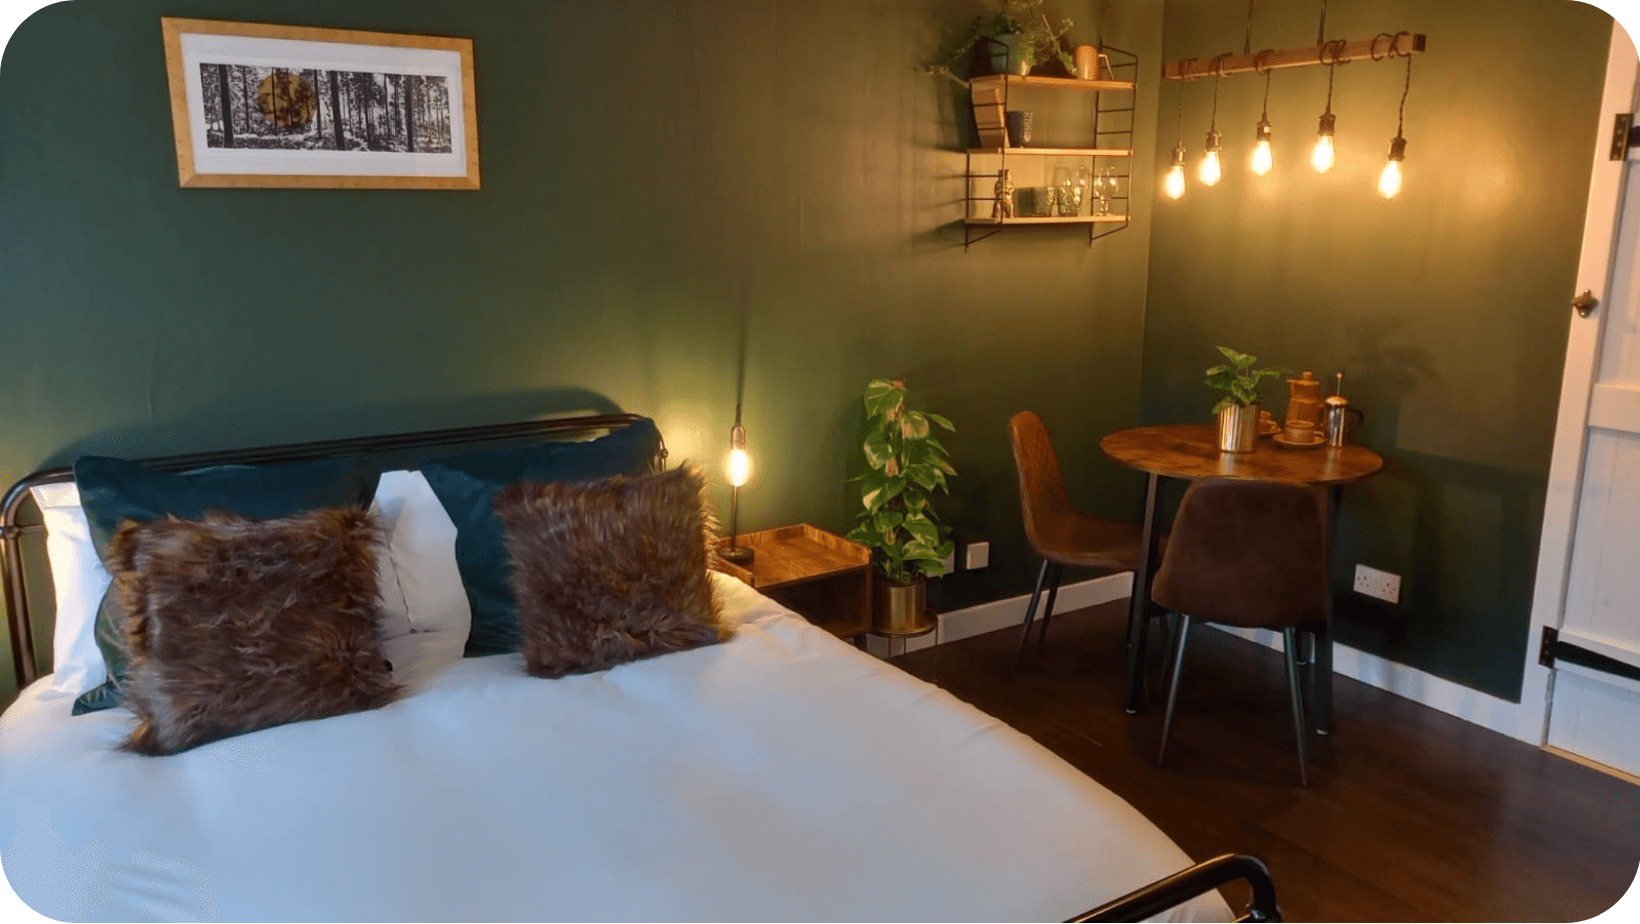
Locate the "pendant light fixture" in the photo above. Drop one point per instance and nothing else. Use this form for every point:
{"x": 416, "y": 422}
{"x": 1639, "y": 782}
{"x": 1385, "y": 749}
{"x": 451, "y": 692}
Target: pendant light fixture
{"x": 1389, "y": 182}
{"x": 1211, "y": 169}
{"x": 1262, "y": 159}
{"x": 1173, "y": 184}
{"x": 1321, "y": 157}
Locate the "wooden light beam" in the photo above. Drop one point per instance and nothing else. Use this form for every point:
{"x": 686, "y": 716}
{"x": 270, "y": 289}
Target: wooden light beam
{"x": 1402, "y": 44}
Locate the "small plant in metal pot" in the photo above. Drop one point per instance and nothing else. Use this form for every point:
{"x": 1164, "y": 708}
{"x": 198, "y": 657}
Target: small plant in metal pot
{"x": 1238, "y": 408}
{"x": 1018, "y": 35}
{"x": 897, "y": 522}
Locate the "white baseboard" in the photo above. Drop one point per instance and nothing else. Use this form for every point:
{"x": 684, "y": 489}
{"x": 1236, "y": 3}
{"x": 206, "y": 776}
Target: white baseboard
{"x": 1438, "y": 693}
{"x": 1000, "y": 614}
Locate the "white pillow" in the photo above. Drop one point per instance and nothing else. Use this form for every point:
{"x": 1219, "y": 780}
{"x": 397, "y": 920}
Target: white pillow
{"x": 79, "y": 581}
{"x": 422, "y": 545}
{"x": 421, "y": 589}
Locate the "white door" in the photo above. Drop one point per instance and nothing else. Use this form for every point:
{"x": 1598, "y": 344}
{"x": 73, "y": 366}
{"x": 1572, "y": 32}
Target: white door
{"x": 1588, "y": 590}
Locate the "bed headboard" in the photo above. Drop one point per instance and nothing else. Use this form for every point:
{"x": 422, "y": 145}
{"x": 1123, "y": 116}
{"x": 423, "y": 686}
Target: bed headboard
{"x": 12, "y": 573}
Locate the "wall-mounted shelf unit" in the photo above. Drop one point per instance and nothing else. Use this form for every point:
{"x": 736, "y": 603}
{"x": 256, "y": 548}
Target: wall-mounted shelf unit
{"x": 1035, "y": 166}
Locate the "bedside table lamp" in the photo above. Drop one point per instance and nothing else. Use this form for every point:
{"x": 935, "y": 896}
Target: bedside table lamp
{"x": 738, "y": 468}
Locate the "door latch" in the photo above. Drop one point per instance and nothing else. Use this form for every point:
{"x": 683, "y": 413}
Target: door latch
{"x": 1585, "y": 303}
{"x": 1624, "y": 135}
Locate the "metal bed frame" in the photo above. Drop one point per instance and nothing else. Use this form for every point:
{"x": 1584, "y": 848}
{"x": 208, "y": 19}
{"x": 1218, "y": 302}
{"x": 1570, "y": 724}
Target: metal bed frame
{"x": 1146, "y": 902}
{"x": 13, "y": 578}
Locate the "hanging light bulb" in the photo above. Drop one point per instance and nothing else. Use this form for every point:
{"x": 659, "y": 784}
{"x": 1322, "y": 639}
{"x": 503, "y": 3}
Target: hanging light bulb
{"x": 1321, "y": 158}
{"x": 1173, "y": 185}
{"x": 1211, "y": 169}
{"x": 1262, "y": 161}
{"x": 1389, "y": 182}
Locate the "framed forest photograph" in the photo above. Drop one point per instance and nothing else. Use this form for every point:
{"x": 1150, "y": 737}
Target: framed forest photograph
{"x": 263, "y": 105}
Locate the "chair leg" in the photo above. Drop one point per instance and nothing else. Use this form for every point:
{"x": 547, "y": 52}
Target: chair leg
{"x": 1173, "y": 685}
{"x": 1296, "y": 692}
{"x": 1030, "y": 614}
{"x": 1047, "y": 608}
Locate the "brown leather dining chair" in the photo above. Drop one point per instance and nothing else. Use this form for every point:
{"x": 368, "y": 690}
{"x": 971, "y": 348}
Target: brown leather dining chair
{"x": 1058, "y": 532}
{"x": 1250, "y": 553}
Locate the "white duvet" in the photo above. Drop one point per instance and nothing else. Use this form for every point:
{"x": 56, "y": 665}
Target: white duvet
{"x": 782, "y": 775}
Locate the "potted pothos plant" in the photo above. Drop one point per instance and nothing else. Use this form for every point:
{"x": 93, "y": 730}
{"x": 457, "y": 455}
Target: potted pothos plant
{"x": 1022, "y": 37}
{"x": 1238, "y": 407}
{"x": 908, "y": 545}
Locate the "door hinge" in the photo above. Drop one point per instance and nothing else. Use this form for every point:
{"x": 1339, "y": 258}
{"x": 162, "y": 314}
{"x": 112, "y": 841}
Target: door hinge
{"x": 1624, "y": 135}
{"x": 1553, "y": 649}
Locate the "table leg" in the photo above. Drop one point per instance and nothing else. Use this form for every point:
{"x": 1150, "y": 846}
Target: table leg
{"x": 1139, "y": 604}
{"x": 1323, "y": 659}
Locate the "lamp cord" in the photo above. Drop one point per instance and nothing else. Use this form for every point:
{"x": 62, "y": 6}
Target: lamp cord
{"x": 1261, "y": 64}
{"x": 1321, "y": 35}
{"x": 1332, "y": 50}
{"x": 1247, "y": 41}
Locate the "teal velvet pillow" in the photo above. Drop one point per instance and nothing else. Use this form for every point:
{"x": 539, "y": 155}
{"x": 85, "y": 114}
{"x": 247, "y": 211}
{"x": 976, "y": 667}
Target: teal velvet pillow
{"x": 112, "y": 490}
{"x": 467, "y": 487}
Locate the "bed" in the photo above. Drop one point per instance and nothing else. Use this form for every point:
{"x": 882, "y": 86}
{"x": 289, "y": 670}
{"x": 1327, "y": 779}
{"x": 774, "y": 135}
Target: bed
{"x": 779, "y": 775}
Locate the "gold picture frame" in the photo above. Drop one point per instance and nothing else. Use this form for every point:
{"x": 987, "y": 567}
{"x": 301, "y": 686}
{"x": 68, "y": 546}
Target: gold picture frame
{"x": 258, "y": 105}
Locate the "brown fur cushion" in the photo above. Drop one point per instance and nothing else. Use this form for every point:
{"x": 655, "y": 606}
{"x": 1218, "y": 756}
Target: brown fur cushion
{"x": 233, "y": 624}
{"x": 612, "y": 570}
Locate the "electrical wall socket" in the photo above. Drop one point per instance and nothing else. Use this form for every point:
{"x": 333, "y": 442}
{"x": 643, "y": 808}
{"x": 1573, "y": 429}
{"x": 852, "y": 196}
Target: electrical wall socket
{"x": 978, "y": 555}
{"x": 1380, "y": 584}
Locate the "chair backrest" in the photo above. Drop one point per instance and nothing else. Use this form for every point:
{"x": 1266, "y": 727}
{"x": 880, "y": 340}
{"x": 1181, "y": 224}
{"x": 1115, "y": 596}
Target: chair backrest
{"x": 1042, "y": 492}
{"x": 1246, "y": 552}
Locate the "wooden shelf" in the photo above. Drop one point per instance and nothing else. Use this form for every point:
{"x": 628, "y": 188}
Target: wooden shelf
{"x": 1069, "y": 83}
{"x": 1055, "y": 220}
{"x": 1057, "y": 152}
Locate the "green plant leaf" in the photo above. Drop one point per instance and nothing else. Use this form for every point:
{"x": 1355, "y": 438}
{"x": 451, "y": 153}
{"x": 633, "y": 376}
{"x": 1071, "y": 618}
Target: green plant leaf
{"x": 931, "y": 568}
{"x": 882, "y": 397}
{"x": 878, "y": 451}
{"x": 887, "y": 520}
{"x": 943, "y": 422}
{"x": 922, "y": 530}
{"x": 914, "y": 426}
{"x": 924, "y": 475}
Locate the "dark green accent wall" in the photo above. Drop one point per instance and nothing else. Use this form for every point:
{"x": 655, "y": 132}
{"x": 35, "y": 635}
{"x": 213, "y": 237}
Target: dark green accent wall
{"x": 1447, "y": 306}
{"x": 678, "y": 197}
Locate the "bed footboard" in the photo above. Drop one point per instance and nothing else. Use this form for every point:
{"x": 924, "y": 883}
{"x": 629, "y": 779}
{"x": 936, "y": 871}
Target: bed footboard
{"x": 1182, "y": 886}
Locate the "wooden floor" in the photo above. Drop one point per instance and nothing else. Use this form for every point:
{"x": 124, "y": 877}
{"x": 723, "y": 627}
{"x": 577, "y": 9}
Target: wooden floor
{"x": 1411, "y": 814}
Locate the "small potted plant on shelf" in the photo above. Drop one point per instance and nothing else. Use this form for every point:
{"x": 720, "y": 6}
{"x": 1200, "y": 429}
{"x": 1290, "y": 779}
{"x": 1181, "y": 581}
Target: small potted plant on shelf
{"x": 1018, "y": 35}
{"x": 897, "y": 524}
{"x": 1238, "y": 409}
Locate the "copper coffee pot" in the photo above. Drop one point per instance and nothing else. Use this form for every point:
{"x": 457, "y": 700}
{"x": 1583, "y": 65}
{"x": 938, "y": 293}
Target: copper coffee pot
{"x": 1304, "y": 400}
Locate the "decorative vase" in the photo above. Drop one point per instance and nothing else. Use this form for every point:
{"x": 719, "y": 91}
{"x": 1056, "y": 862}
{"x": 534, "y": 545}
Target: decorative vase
{"x": 1005, "y": 57}
{"x": 900, "y": 609}
{"x": 1019, "y": 123}
{"x": 1238, "y": 428}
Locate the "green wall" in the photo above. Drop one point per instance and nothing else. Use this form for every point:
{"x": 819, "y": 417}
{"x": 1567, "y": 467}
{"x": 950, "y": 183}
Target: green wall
{"x": 668, "y": 187}
{"x": 1446, "y": 307}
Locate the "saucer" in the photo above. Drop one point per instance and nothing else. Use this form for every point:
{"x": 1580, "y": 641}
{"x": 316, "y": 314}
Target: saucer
{"x": 1270, "y": 430}
{"x": 1281, "y": 440}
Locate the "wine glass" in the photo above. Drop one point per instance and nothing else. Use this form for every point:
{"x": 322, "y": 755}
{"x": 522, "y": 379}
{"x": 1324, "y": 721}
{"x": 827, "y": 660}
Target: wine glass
{"x": 1105, "y": 188}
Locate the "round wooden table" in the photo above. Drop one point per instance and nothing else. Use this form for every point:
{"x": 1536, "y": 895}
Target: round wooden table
{"x": 1191, "y": 451}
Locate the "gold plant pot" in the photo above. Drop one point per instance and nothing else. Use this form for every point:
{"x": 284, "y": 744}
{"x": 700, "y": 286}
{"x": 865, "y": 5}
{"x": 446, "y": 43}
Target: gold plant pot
{"x": 1238, "y": 428}
{"x": 900, "y": 609}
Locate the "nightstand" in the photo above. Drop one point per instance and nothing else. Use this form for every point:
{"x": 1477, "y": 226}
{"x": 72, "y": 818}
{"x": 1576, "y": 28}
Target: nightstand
{"x": 823, "y": 577}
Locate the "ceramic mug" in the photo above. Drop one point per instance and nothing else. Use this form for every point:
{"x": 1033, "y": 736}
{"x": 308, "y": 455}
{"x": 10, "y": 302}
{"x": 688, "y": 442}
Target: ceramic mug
{"x": 1300, "y": 432}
